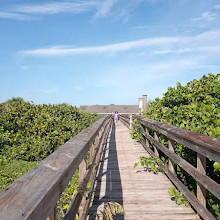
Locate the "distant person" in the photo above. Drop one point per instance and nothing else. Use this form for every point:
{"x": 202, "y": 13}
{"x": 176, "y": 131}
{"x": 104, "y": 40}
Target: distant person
{"x": 116, "y": 117}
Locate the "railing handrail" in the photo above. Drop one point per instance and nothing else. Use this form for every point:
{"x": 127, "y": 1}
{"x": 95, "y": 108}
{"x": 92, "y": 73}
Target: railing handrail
{"x": 35, "y": 194}
{"x": 203, "y": 144}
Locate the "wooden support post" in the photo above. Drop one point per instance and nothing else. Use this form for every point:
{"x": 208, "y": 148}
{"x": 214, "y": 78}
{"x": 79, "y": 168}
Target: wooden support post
{"x": 52, "y": 215}
{"x": 82, "y": 171}
{"x": 171, "y": 163}
{"x": 92, "y": 148}
{"x": 156, "y": 137}
{"x": 147, "y": 142}
{"x": 201, "y": 191}
{"x": 130, "y": 125}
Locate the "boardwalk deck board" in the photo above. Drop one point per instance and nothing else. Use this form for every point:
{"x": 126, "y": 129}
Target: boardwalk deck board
{"x": 143, "y": 195}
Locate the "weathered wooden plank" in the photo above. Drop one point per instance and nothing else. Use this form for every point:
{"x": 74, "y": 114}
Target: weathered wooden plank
{"x": 125, "y": 122}
{"x": 201, "y": 191}
{"x": 142, "y": 194}
{"x": 204, "y": 213}
{"x": 84, "y": 179}
{"x": 171, "y": 148}
{"x": 156, "y": 137}
{"x": 207, "y": 182}
{"x": 147, "y": 142}
{"x": 33, "y": 195}
{"x": 82, "y": 172}
{"x": 205, "y": 145}
{"x": 100, "y": 153}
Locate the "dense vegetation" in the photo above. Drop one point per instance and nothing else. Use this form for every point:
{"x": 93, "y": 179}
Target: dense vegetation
{"x": 29, "y": 133}
{"x": 195, "y": 107}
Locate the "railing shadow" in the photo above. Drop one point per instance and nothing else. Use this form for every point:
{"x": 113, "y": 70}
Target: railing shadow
{"x": 108, "y": 187}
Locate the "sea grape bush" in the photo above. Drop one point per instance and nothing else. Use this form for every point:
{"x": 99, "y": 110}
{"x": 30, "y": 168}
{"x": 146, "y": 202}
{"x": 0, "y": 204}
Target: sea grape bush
{"x": 178, "y": 197}
{"x": 149, "y": 163}
{"x": 194, "y": 107}
{"x": 31, "y": 132}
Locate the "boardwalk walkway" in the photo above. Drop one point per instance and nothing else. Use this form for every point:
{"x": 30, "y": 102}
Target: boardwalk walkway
{"x": 143, "y": 195}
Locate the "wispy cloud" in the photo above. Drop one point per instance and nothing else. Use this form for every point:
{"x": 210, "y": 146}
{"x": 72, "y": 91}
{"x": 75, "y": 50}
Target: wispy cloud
{"x": 26, "y": 11}
{"x": 113, "y": 48}
{"x": 56, "y": 7}
{"x": 207, "y": 41}
{"x": 13, "y": 15}
{"x": 104, "y": 8}
{"x": 180, "y": 50}
{"x": 206, "y": 16}
{"x": 100, "y": 8}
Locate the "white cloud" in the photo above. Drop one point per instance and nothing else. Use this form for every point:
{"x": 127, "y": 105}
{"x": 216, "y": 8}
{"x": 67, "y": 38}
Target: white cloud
{"x": 141, "y": 27}
{"x": 55, "y": 7}
{"x": 113, "y": 48}
{"x": 25, "y": 11}
{"x": 20, "y": 12}
{"x": 101, "y": 8}
{"x": 180, "y": 50}
{"x": 12, "y": 15}
{"x": 147, "y": 75}
{"x": 206, "y": 16}
{"x": 207, "y": 41}
{"x": 104, "y": 8}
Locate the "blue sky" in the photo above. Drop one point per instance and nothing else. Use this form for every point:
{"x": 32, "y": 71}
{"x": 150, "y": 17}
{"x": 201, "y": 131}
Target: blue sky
{"x": 104, "y": 51}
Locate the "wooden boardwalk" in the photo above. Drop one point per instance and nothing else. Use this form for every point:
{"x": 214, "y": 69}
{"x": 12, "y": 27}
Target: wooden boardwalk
{"x": 143, "y": 195}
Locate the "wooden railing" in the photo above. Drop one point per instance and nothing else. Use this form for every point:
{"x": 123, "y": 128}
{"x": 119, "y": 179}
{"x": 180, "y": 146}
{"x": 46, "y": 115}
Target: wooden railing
{"x": 204, "y": 146}
{"x": 34, "y": 195}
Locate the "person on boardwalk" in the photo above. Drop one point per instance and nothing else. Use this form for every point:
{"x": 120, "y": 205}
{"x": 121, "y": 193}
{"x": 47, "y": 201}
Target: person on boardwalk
{"x": 116, "y": 117}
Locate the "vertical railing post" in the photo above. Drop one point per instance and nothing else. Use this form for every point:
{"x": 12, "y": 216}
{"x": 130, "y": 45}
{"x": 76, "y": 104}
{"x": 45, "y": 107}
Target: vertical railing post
{"x": 130, "y": 122}
{"x": 201, "y": 191}
{"x": 147, "y": 142}
{"x": 156, "y": 137}
{"x": 91, "y": 151}
{"x": 82, "y": 171}
{"x": 171, "y": 163}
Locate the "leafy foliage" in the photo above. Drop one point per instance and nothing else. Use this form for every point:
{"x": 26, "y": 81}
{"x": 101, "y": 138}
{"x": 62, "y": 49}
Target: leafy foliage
{"x": 178, "y": 196}
{"x": 136, "y": 131}
{"x": 13, "y": 170}
{"x": 67, "y": 196}
{"x": 215, "y": 208}
{"x": 151, "y": 164}
{"x": 194, "y": 107}
{"x": 32, "y": 132}
{"x": 29, "y": 133}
